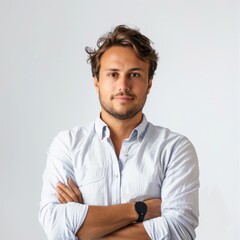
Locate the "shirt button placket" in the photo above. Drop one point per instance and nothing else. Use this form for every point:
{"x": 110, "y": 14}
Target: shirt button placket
{"x": 116, "y": 180}
{"x": 117, "y": 185}
{"x": 115, "y": 174}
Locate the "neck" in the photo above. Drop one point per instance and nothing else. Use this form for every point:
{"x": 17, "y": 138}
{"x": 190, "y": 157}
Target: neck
{"x": 120, "y": 129}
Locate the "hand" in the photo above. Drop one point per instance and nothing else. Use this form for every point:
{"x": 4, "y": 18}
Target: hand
{"x": 68, "y": 194}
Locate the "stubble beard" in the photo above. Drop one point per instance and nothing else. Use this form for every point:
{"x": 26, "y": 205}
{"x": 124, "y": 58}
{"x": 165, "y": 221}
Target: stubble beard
{"x": 119, "y": 115}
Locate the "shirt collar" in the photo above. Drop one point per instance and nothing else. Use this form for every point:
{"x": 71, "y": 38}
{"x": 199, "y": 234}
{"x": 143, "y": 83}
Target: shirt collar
{"x": 102, "y": 129}
{"x": 140, "y": 130}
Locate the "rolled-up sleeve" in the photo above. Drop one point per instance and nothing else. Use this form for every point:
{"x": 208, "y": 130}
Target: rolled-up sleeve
{"x": 59, "y": 221}
{"x": 179, "y": 193}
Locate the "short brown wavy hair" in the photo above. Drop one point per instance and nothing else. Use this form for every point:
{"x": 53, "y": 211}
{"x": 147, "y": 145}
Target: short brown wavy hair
{"x": 123, "y": 36}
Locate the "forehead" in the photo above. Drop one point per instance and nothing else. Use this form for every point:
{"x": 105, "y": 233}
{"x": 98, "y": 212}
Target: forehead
{"x": 118, "y": 56}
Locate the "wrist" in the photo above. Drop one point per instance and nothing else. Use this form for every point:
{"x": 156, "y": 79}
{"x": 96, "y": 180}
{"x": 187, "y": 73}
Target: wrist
{"x": 154, "y": 208}
{"x": 133, "y": 213}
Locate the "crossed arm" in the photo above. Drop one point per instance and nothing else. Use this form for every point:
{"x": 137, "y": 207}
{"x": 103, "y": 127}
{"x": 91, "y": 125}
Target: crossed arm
{"x": 109, "y": 222}
{"x": 178, "y": 217}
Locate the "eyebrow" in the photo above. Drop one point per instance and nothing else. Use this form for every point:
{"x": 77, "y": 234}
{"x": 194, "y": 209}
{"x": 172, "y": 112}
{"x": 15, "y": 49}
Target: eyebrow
{"x": 116, "y": 69}
{"x": 136, "y": 69}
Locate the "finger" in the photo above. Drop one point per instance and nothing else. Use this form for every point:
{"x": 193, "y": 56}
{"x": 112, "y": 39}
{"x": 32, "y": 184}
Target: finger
{"x": 66, "y": 193}
{"x": 64, "y": 197}
{"x": 80, "y": 198}
{"x": 75, "y": 189}
{"x": 61, "y": 199}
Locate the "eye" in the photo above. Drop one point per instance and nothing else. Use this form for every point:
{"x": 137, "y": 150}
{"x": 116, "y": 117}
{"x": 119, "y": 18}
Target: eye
{"x": 113, "y": 74}
{"x": 135, "y": 75}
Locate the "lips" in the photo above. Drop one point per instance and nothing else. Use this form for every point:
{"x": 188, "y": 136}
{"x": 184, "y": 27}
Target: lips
{"x": 123, "y": 98}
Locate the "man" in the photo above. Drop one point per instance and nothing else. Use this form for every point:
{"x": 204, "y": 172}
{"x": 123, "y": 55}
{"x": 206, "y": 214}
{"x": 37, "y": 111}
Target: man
{"x": 121, "y": 177}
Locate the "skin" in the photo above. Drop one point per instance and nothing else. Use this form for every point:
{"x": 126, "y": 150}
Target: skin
{"x": 123, "y": 86}
{"x": 122, "y": 70}
{"x": 109, "y": 222}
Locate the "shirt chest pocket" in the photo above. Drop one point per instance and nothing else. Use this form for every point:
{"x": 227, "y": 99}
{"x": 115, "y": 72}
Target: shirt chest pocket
{"x": 90, "y": 181}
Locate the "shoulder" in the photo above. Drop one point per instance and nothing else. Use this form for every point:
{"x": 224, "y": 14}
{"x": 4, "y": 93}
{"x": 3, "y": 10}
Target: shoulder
{"x": 175, "y": 149}
{"x": 165, "y": 137}
{"x": 70, "y": 137}
{"x": 164, "y": 133}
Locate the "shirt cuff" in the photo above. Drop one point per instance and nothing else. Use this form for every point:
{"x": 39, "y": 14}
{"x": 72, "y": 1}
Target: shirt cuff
{"x": 156, "y": 228}
{"x": 63, "y": 221}
{"x": 75, "y": 215}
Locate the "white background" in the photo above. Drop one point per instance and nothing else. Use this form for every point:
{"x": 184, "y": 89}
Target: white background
{"x": 46, "y": 87}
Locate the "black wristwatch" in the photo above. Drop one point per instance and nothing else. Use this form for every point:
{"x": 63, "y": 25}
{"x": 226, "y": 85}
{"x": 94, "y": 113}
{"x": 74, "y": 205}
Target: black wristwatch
{"x": 141, "y": 209}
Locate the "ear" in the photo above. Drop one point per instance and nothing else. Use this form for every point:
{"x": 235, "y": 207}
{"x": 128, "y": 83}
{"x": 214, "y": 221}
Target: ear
{"x": 96, "y": 84}
{"x": 149, "y": 86}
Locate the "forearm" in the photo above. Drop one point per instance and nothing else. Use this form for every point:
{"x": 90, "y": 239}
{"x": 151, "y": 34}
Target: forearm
{"x": 134, "y": 231}
{"x": 103, "y": 220}
{"x": 106, "y": 220}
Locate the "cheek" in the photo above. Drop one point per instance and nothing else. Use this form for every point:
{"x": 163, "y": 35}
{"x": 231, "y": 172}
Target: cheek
{"x": 143, "y": 91}
{"x": 105, "y": 92}
{"x": 107, "y": 89}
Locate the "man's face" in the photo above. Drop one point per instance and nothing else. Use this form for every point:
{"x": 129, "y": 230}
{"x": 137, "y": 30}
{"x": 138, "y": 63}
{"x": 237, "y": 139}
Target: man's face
{"x": 123, "y": 83}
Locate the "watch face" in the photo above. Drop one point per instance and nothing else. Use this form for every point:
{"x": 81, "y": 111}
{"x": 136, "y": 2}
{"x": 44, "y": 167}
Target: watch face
{"x": 141, "y": 207}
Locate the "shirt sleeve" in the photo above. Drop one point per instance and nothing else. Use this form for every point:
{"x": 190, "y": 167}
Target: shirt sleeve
{"x": 59, "y": 221}
{"x": 179, "y": 209}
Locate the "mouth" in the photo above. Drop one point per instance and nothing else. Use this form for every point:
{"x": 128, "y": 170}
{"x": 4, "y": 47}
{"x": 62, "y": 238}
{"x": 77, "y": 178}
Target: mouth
{"x": 123, "y": 98}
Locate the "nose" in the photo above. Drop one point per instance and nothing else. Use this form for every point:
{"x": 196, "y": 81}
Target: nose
{"x": 124, "y": 83}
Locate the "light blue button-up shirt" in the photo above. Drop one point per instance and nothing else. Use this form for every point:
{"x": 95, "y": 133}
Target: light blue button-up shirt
{"x": 153, "y": 163}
